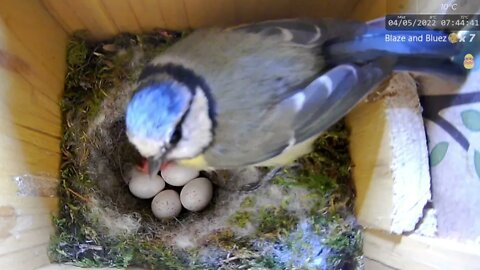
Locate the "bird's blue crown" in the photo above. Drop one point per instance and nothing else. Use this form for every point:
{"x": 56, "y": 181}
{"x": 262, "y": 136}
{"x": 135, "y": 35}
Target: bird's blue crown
{"x": 154, "y": 109}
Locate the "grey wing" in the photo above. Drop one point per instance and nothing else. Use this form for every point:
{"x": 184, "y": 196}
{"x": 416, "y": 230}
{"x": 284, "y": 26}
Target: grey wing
{"x": 334, "y": 94}
{"x": 302, "y": 116}
{"x": 306, "y": 32}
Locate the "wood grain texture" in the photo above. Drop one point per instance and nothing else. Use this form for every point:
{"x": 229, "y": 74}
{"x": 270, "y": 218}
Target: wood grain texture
{"x": 105, "y": 18}
{"x": 32, "y": 70}
{"x": 122, "y": 15}
{"x": 372, "y": 9}
{"x": 93, "y": 14}
{"x": 324, "y": 8}
{"x": 32, "y": 67}
{"x": 148, "y": 14}
{"x": 36, "y": 55}
{"x": 389, "y": 151}
{"x": 64, "y": 14}
{"x": 370, "y": 264}
{"x": 371, "y": 171}
{"x": 174, "y": 14}
{"x": 220, "y": 12}
{"x": 255, "y": 10}
{"x": 29, "y": 258}
{"x": 415, "y": 252}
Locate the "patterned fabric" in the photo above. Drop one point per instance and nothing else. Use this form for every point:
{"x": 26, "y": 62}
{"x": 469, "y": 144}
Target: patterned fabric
{"x": 452, "y": 122}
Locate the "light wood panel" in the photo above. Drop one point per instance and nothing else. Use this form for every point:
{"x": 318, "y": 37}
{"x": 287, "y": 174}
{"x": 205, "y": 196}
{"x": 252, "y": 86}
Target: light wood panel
{"x": 107, "y": 17}
{"x": 220, "y": 12}
{"x": 389, "y": 151}
{"x": 64, "y": 14}
{"x": 255, "y": 10}
{"x": 416, "y": 252}
{"x": 122, "y": 15}
{"x": 32, "y": 257}
{"x": 93, "y": 15}
{"x": 148, "y": 13}
{"x": 32, "y": 70}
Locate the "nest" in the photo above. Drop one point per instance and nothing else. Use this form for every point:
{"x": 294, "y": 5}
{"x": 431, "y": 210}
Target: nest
{"x": 302, "y": 218}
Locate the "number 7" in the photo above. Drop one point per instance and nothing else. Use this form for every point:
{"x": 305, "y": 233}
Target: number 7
{"x": 472, "y": 36}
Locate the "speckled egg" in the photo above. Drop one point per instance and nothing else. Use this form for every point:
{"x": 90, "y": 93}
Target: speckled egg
{"x": 166, "y": 204}
{"x": 196, "y": 194}
{"x": 144, "y": 187}
{"x": 177, "y": 175}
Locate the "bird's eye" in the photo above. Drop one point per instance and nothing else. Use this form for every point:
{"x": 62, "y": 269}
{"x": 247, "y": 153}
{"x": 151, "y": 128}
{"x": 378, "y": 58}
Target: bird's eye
{"x": 176, "y": 136}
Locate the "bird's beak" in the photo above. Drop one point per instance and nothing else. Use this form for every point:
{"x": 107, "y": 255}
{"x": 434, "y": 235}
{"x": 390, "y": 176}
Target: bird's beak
{"x": 154, "y": 165}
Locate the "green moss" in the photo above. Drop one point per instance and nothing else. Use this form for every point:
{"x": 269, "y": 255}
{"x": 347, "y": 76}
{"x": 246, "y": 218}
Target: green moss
{"x": 77, "y": 52}
{"x": 223, "y": 238}
{"x": 275, "y": 221}
{"x": 240, "y": 219}
{"x": 248, "y": 202}
{"x": 267, "y": 262}
{"x": 93, "y": 71}
{"x": 326, "y": 172}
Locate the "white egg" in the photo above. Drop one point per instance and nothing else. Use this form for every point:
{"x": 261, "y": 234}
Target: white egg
{"x": 177, "y": 175}
{"x": 196, "y": 194}
{"x": 144, "y": 187}
{"x": 166, "y": 204}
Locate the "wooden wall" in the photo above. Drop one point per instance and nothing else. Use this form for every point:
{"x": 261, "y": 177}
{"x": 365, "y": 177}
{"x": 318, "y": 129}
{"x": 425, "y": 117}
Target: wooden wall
{"x": 32, "y": 68}
{"x": 107, "y": 17}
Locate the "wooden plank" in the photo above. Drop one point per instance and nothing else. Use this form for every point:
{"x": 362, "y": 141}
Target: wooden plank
{"x": 64, "y": 14}
{"x": 29, "y": 205}
{"x": 370, "y": 264}
{"x": 415, "y": 252}
{"x": 24, "y": 49}
{"x": 389, "y": 151}
{"x": 29, "y": 120}
{"x": 174, "y": 14}
{"x": 26, "y": 163}
{"x": 122, "y": 15}
{"x": 27, "y": 184}
{"x": 255, "y": 10}
{"x": 26, "y": 223}
{"x": 364, "y": 11}
{"x": 372, "y": 9}
{"x": 148, "y": 14}
{"x": 93, "y": 15}
{"x": 220, "y": 12}
{"x": 26, "y": 259}
{"x": 46, "y": 45}
{"x": 18, "y": 94}
{"x": 371, "y": 171}
{"x": 21, "y": 241}
{"x": 324, "y": 8}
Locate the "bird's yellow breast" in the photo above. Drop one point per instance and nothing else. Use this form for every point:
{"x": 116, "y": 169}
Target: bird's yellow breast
{"x": 287, "y": 156}
{"x": 290, "y": 154}
{"x": 197, "y": 162}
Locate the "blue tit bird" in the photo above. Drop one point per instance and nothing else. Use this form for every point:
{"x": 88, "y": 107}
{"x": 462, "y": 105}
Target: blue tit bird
{"x": 259, "y": 94}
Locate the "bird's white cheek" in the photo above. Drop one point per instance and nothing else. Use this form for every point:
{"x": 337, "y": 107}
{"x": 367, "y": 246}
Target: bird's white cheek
{"x": 146, "y": 147}
{"x": 196, "y": 130}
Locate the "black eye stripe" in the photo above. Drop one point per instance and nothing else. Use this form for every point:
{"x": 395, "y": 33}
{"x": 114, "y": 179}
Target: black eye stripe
{"x": 177, "y": 133}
